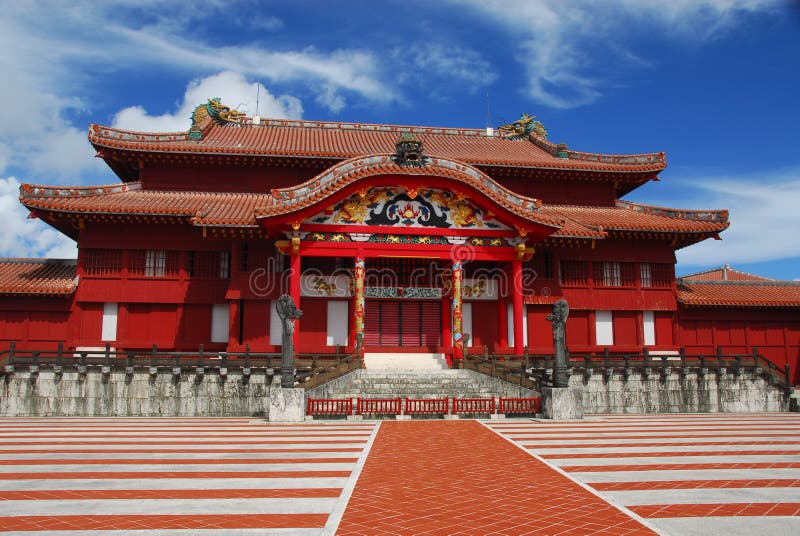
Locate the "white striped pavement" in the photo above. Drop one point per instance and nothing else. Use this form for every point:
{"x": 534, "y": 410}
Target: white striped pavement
{"x": 121, "y": 476}
{"x": 685, "y": 474}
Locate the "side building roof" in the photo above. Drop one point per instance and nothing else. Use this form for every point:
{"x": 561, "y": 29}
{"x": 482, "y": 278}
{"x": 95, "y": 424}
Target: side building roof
{"x": 727, "y": 287}
{"x": 42, "y": 277}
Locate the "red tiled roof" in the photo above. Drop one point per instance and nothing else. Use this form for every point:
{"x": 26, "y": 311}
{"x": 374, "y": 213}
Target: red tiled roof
{"x": 725, "y": 273}
{"x": 46, "y": 277}
{"x": 294, "y": 198}
{"x": 242, "y": 209}
{"x": 207, "y": 208}
{"x": 316, "y": 139}
{"x": 627, "y": 216}
{"x": 739, "y": 293}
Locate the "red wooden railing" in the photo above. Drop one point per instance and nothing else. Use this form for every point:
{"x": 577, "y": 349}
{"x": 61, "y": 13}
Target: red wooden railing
{"x": 425, "y": 406}
{"x": 520, "y": 405}
{"x": 329, "y": 406}
{"x": 473, "y": 405}
{"x": 386, "y": 406}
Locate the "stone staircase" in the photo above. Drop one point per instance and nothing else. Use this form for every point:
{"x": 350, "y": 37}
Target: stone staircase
{"x": 449, "y": 383}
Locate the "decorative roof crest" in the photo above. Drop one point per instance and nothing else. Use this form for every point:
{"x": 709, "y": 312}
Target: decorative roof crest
{"x": 409, "y": 151}
{"x": 522, "y": 128}
{"x": 218, "y": 112}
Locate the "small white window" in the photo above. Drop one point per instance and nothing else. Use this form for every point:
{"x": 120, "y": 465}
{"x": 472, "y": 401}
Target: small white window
{"x": 224, "y": 265}
{"x": 649, "y": 328}
{"x": 338, "y": 314}
{"x": 155, "y": 263}
{"x": 611, "y": 274}
{"x": 219, "y": 322}
{"x": 510, "y": 311}
{"x": 466, "y": 322}
{"x": 275, "y": 329}
{"x": 109, "y": 329}
{"x": 645, "y": 274}
{"x": 604, "y": 328}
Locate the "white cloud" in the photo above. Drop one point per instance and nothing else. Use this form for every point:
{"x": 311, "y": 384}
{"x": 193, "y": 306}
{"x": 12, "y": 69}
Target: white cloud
{"x": 763, "y": 217}
{"x": 569, "y": 48}
{"x": 23, "y": 237}
{"x": 234, "y": 91}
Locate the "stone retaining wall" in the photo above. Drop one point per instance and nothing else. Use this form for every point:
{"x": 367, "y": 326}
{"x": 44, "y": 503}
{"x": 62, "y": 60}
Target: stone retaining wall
{"x": 676, "y": 392}
{"x": 94, "y": 394}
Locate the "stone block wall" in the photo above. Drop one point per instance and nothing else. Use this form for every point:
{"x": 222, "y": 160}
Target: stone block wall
{"x": 676, "y": 392}
{"x": 139, "y": 394}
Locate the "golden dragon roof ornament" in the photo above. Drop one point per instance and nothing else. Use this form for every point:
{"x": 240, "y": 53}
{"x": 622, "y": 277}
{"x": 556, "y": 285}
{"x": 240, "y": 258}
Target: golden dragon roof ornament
{"x": 522, "y": 128}
{"x": 218, "y": 112}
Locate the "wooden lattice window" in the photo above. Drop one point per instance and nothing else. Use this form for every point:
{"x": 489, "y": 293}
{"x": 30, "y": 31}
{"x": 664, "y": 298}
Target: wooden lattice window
{"x": 574, "y": 273}
{"x": 662, "y": 275}
{"x": 543, "y": 264}
{"x": 209, "y": 264}
{"x": 102, "y": 262}
{"x": 614, "y": 274}
{"x": 154, "y": 263}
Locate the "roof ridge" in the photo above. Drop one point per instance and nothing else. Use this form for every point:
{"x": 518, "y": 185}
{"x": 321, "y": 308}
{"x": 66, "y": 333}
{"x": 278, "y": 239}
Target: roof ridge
{"x": 720, "y": 215}
{"x": 37, "y": 260}
{"x": 39, "y": 190}
{"x": 770, "y": 283}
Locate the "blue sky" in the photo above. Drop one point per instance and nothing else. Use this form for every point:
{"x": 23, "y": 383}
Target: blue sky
{"x": 713, "y": 83}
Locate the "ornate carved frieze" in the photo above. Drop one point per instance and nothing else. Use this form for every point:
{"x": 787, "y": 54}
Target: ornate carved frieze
{"x": 428, "y": 207}
{"x": 409, "y": 293}
{"x": 325, "y": 286}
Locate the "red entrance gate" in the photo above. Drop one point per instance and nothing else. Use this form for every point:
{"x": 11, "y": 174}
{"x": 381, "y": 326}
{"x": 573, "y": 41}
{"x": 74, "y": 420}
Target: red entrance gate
{"x": 402, "y": 323}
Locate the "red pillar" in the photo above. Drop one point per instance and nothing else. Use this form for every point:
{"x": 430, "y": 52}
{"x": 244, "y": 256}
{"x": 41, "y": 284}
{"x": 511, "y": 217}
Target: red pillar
{"x": 502, "y": 323}
{"x": 447, "y": 335}
{"x": 294, "y": 292}
{"x": 516, "y": 289}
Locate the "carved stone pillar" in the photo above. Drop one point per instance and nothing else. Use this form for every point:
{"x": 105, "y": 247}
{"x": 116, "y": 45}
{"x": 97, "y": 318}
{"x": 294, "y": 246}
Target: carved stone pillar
{"x": 294, "y": 288}
{"x": 358, "y": 299}
{"x": 458, "y": 336}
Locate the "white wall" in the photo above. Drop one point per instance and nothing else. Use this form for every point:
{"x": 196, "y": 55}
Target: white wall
{"x": 338, "y": 322}
{"x": 275, "y": 330}
{"x": 220, "y": 326}
{"x": 649, "y": 321}
{"x": 604, "y": 328}
{"x": 109, "y": 330}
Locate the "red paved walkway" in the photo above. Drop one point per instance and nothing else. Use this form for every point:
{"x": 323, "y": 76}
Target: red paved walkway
{"x": 458, "y": 477}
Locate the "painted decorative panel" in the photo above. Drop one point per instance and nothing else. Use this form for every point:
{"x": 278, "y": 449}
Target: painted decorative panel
{"x": 479, "y": 289}
{"x": 411, "y": 293}
{"x": 426, "y": 207}
{"x": 325, "y": 286}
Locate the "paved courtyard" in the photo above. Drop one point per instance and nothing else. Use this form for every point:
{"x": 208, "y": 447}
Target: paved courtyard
{"x": 636, "y": 474}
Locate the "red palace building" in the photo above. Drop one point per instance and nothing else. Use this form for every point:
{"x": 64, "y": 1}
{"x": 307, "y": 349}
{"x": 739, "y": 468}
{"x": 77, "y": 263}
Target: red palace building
{"x": 407, "y": 238}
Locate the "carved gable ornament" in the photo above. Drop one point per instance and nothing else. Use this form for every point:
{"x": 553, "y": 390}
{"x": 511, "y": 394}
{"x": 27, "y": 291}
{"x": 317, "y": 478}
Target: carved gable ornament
{"x": 409, "y": 151}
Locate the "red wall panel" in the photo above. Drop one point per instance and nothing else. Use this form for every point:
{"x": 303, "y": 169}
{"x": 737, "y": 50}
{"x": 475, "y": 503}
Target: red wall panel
{"x": 255, "y": 331}
{"x": 578, "y": 329}
{"x": 625, "y": 328}
{"x": 664, "y": 332}
{"x": 484, "y": 325}
{"x": 313, "y": 327}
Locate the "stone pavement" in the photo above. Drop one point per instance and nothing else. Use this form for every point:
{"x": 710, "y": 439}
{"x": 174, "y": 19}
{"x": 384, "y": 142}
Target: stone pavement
{"x": 633, "y": 474}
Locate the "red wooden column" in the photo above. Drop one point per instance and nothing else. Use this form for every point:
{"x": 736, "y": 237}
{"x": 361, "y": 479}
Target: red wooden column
{"x": 294, "y": 285}
{"x": 447, "y": 335}
{"x": 502, "y": 323}
{"x": 516, "y": 300}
